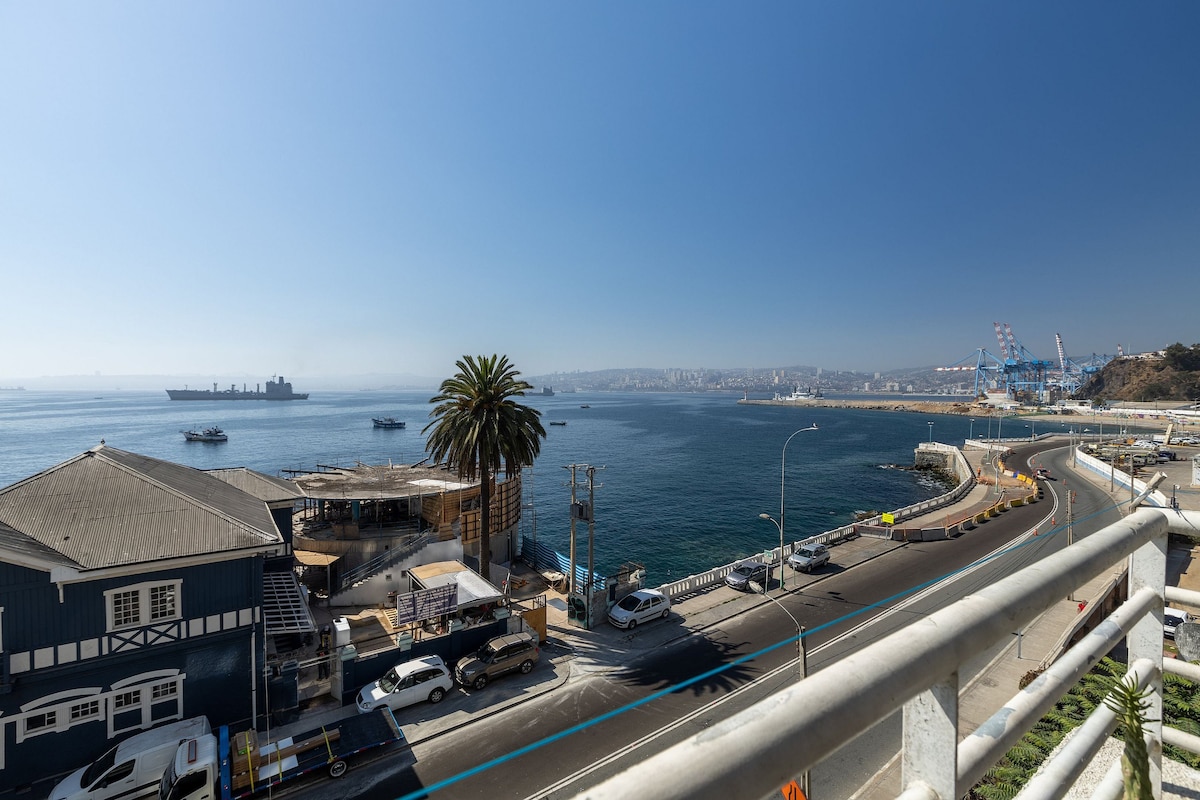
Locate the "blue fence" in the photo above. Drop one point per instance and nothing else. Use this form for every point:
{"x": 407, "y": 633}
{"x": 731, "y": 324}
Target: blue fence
{"x": 542, "y": 558}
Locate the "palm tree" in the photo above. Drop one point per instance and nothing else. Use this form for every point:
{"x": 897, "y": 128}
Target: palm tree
{"x": 478, "y": 429}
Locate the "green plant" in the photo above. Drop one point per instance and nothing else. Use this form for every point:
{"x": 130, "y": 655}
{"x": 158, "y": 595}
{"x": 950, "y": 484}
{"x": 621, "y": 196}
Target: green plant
{"x": 1130, "y": 704}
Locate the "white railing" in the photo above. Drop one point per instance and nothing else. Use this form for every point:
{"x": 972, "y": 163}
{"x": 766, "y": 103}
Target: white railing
{"x": 754, "y": 752}
{"x": 777, "y": 556}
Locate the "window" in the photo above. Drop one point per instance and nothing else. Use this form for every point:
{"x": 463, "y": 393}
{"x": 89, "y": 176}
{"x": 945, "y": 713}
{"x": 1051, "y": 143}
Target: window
{"x": 82, "y": 711}
{"x": 126, "y": 700}
{"x": 126, "y": 609}
{"x": 163, "y": 690}
{"x": 40, "y": 722}
{"x": 143, "y": 604}
{"x": 162, "y": 602}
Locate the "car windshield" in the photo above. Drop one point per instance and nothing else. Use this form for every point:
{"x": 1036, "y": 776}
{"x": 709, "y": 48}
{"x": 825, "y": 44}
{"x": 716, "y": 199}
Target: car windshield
{"x": 808, "y": 551}
{"x": 629, "y": 602}
{"x": 744, "y": 570}
{"x": 389, "y": 681}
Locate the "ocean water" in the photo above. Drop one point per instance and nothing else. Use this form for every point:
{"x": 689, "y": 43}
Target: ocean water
{"x": 679, "y": 484}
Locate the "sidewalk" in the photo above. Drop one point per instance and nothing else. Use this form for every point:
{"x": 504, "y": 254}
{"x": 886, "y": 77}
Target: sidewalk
{"x": 575, "y": 651}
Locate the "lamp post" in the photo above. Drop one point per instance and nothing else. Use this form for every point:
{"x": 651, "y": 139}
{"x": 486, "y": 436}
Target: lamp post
{"x": 782, "y": 512}
{"x": 971, "y": 435}
{"x": 930, "y": 424}
{"x": 801, "y": 654}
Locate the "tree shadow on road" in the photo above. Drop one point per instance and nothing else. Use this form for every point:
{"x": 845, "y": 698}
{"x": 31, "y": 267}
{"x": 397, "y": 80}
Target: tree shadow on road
{"x": 698, "y": 664}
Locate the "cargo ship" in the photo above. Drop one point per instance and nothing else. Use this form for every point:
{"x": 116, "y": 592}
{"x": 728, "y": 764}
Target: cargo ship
{"x": 274, "y": 390}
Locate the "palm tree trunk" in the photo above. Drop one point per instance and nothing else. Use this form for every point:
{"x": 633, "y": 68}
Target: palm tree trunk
{"x": 485, "y": 519}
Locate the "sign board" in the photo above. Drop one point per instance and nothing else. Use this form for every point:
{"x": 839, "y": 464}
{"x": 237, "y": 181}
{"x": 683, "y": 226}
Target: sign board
{"x": 888, "y": 519}
{"x": 793, "y": 792}
{"x": 426, "y": 604}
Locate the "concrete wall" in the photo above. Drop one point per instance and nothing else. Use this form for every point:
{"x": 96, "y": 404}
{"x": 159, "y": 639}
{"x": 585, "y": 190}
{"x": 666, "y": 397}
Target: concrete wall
{"x": 374, "y": 590}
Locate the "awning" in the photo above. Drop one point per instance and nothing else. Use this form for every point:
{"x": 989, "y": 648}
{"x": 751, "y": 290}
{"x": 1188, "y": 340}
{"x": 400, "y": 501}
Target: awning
{"x": 284, "y": 607}
{"x": 311, "y": 558}
{"x": 472, "y": 588}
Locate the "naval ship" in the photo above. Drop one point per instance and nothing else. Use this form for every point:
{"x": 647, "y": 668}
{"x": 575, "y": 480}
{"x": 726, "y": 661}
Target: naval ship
{"x": 275, "y": 390}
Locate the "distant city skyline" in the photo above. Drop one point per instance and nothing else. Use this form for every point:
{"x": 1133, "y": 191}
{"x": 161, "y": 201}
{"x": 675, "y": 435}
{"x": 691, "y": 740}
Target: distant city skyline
{"x": 297, "y": 188}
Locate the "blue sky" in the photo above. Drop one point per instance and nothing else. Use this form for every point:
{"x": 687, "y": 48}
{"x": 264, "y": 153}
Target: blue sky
{"x": 323, "y": 189}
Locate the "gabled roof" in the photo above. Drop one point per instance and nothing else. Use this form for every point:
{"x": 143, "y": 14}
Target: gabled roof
{"x": 267, "y": 488}
{"x": 109, "y": 508}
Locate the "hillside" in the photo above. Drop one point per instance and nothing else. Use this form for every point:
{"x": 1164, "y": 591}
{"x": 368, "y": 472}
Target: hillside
{"x": 1174, "y": 376}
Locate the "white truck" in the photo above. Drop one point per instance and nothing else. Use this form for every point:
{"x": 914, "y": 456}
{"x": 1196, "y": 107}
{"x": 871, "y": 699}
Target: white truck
{"x": 134, "y": 768}
{"x": 216, "y": 766}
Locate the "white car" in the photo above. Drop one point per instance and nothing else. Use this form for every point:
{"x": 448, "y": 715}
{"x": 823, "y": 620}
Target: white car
{"x": 425, "y": 678}
{"x": 639, "y": 606}
{"x": 1172, "y": 618}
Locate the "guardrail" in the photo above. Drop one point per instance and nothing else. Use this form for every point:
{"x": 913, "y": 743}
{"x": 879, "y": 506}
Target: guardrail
{"x": 916, "y": 669}
{"x": 712, "y": 577}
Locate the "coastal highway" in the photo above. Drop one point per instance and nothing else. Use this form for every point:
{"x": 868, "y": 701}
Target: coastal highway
{"x": 843, "y": 612}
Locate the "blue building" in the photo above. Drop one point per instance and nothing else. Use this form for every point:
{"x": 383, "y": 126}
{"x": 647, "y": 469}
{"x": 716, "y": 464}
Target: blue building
{"x": 134, "y": 591}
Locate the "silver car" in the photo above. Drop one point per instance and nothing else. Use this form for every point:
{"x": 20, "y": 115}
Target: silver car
{"x": 746, "y": 572}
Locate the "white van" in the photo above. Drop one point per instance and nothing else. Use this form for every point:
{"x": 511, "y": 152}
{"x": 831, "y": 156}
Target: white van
{"x": 132, "y": 769}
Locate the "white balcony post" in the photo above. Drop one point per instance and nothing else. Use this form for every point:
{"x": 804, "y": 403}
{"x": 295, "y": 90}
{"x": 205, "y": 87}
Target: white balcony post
{"x": 931, "y": 738}
{"x": 1148, "y": 568}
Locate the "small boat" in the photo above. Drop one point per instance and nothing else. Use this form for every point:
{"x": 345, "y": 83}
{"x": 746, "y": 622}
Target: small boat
{"x": 563, "y": 422}
{"x": 585, "y": 406}
{"x": 213, "y": 434}
{"x": 387, "y": 422}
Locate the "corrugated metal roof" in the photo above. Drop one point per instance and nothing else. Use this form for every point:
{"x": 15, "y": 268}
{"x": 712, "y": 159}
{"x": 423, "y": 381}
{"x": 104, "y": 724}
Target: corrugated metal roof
{"x": 267, "y": 488}
{"x": 18, "y": 543}
{"x": 385, "y": 482}
{"x": 107, "y": 508}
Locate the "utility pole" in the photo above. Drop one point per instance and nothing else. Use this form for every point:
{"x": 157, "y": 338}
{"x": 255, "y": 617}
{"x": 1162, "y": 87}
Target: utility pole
{"x": 571, "y": 577}
{"x": 583, "y": 511}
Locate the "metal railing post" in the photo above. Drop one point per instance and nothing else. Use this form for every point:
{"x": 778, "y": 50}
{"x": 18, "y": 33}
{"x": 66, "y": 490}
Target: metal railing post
{"x": 931, "y": 737}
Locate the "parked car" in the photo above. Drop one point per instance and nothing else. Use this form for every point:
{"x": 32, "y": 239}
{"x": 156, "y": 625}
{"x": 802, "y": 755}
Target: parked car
{"x": 639, "y": 606}
{"x": 808, "y": 557}
{"x": 503, "y": 654}
{"x": 1172, "y": 618}
{"x": 425, "y": 678}
{"x": 748, "y": 571}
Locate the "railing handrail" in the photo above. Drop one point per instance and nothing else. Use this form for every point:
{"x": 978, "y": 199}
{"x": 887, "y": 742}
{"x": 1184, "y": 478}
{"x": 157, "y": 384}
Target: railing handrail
{"x": 382, "y": 561}
{"x": 754, "y": 752}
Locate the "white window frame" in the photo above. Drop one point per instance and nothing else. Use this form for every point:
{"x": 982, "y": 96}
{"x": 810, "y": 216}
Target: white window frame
{"x": 61, "y": 705}
{"x": 142, "y": 712}
{"x": 144, "y": 592}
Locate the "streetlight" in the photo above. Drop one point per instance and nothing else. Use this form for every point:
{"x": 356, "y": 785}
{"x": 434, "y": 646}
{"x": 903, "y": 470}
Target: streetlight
{"x": 801, "y": 654}
{"x": 782, "y": 474}
{"x": 971, "y": 435}
{"x": 930, "y": 424}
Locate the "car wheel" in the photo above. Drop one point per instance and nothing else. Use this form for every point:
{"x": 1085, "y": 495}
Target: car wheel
{"x": 337, "y": 769}
{"x": 437, "y": 694}
{"x": 526, "y": 666}
{"x": 480, "y": 682}
{"x": 663, "y": 615}
{"x": 632, "y": 624}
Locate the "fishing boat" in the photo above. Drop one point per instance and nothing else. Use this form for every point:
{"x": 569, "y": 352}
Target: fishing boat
{"x": 387, "y": 422}
{"x": 213, "y": 434}
{"x": 562, "y": 422}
